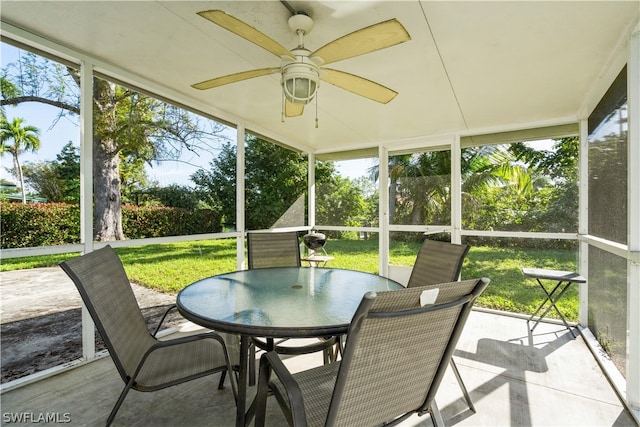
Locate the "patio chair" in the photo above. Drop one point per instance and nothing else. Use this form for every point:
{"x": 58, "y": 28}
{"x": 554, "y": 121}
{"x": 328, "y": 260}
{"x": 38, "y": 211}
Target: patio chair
{"x": 440, "y": 262}
{"x": 282, "y": 249}
{"x": 437, "y": 262}
{"x": 383, "y": 377}
{"x": 143, "y": 362}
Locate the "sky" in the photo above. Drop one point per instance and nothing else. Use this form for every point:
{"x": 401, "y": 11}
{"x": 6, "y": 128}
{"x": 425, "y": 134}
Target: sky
{"x": 54, "y": 137}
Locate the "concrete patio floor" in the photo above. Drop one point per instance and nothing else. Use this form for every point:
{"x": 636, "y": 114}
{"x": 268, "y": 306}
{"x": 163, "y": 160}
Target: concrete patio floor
{"x": 515, "y": 378}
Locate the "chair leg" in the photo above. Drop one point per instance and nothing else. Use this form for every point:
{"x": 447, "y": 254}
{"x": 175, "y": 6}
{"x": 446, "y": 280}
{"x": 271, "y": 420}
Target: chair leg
{"x": 452, "y": 363}
{"x": 327, "y": 355}
{"x": 123, "y": 394}
{"x": 262, "y": 394}
{"x": 252, "y": 365}
{"x": 222, "y": 378}
{"x": 340, "y": 346}
{"x": 335, "y": 351}
{"x": 436, "y": 416}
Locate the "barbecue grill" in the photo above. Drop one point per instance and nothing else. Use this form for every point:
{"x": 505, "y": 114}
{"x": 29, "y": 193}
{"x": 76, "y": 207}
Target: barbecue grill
{"x": 315, "y": 242}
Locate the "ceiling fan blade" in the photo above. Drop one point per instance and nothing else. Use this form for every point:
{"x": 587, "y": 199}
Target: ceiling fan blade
{"x": 366, "y": 40}
{"x": 246, "y": 31}
{"x": 232, "y": 78}
{"x": 358, "y": 85}
{"x": 293, "y": 110}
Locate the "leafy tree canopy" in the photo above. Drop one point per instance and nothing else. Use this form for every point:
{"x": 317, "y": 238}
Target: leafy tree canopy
{"x": 275, "y": 178}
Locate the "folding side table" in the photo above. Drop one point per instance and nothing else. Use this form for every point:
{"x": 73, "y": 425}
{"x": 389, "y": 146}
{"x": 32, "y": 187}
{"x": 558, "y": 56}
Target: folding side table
{"x": 564, "y": 280}
{"x": 317, "y": 260}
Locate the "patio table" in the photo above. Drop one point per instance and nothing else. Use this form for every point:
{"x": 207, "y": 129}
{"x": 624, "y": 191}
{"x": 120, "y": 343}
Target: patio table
{"x": 564, "y": 279}
{"x": 283, "y": 302}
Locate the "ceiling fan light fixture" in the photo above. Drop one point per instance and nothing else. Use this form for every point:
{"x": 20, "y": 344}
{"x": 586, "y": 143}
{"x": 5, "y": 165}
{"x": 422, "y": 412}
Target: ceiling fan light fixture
{"x": 300, "y": 82}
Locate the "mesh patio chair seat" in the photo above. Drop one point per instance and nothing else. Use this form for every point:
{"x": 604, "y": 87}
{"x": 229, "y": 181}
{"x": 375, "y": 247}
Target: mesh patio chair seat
{"x": 282, "y": 249}
{"x": 277, "y": 249}
{"x": 441, "y": 262}
{"x": 383, "y": 377}
{"x": 143, "y": 362}
{"x": 437, "y": 262}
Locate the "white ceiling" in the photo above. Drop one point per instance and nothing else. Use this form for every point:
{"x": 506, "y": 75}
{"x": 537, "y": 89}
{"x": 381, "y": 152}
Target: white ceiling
{"x": 468, "y": 66}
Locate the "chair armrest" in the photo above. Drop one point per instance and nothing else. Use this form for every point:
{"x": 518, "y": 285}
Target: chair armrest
{"x": 182, "y": 340}
{"x": 270, "y": 361}
{"x": 188, "y": 338}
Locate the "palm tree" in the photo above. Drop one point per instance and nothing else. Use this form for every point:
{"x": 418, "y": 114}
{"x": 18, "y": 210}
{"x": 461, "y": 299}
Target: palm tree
{"x": 397, "y": 169}
{"x": 420, "y": 183}
{"x": 24, "y": 137}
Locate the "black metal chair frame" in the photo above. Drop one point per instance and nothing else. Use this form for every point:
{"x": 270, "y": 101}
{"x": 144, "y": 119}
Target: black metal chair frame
{"x": 130, "y": 377}
{"x": 289, "y": 391}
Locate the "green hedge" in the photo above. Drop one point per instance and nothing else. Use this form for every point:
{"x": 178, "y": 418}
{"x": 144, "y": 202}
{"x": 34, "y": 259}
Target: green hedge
{"x": 46, "y": 224}
{"x": 159, "y": 221}
{"x": 38, "y": 224}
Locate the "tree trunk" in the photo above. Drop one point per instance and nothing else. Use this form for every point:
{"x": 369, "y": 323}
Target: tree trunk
{"x": 107, "y": 213}
{"x": 417, "y": 214}
{"x": 392, "y": 200}
{"x": 18, "y": 169}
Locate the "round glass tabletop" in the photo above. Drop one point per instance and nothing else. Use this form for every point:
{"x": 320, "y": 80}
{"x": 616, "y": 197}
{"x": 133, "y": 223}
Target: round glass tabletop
{"x": 280, "y": 302}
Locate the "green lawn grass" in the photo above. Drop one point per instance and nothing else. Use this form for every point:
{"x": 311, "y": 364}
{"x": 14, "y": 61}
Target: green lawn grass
{"x": 509, "y": 290}
{"x": 170, "y": 267}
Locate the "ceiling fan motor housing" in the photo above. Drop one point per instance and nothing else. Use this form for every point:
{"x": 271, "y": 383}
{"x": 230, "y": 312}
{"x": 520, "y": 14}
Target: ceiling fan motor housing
{"x": 300, "y": 21}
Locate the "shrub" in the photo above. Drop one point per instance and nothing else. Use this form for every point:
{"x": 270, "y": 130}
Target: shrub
{"x": 160, "y": 221}
{"x": 47, "y": 224}
{"x": 38, "y": 224}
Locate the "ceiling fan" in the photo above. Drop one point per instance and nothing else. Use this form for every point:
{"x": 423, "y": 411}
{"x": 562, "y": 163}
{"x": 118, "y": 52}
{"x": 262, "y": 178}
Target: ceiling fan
{"x": 302, "y": 69}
